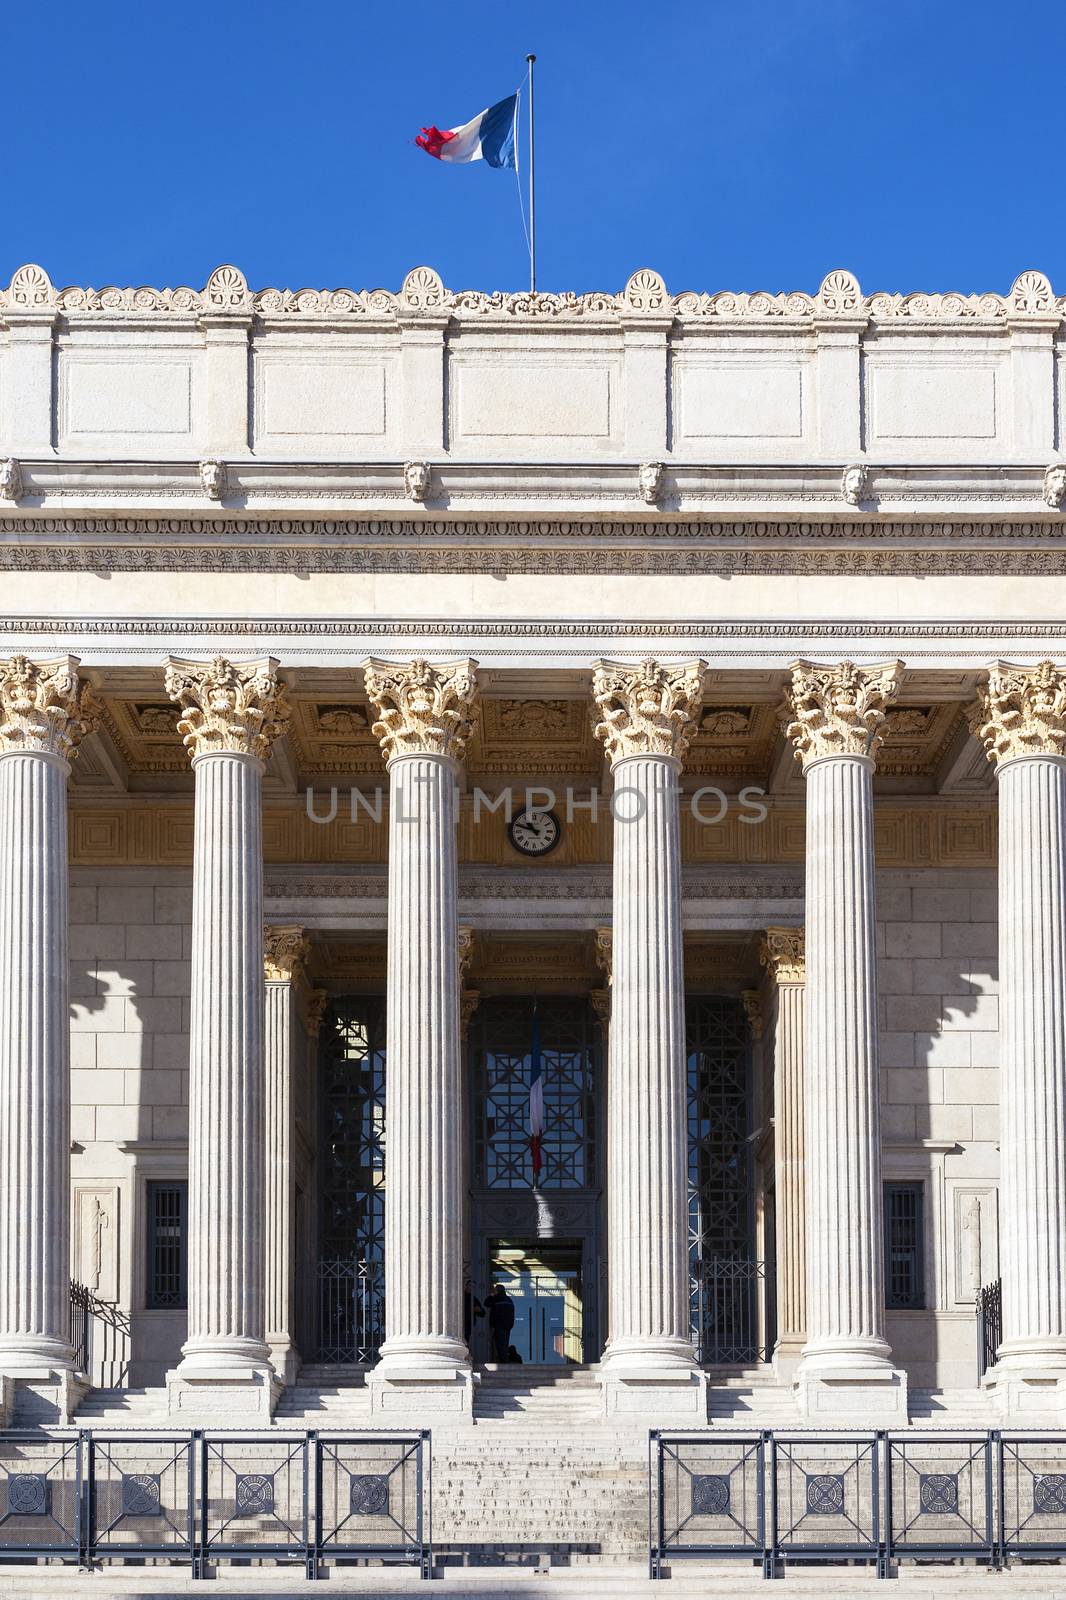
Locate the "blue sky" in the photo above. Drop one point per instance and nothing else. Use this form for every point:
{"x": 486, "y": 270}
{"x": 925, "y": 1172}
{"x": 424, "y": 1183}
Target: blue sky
{"x": 729, "y": 145}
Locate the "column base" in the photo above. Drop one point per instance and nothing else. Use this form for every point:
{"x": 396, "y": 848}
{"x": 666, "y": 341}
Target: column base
{"x": 285, "y": 1359}
{"x": 1028, "y": 1390}
{"x": 788, "y": 1353}
{"x": 852, "y": 1396}
{"x": 202, "y": 1396}
{"x": 406, "y": 1392}
{"x": 40, "y": 1396}
{"x": 653, "y": 1386}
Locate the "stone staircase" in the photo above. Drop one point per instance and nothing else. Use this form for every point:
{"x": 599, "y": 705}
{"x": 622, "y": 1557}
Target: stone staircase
{"x": 123, "y": 1408}
{"x": 951, "y": 1408}
{"x": 750, "y": 1397}
{"x": 325, "y": 1397}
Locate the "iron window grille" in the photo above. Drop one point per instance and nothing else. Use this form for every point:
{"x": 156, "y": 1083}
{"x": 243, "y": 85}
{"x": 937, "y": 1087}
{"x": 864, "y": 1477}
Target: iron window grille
{"x": 168, "y": 1212}
{"x": 904, "y": 1247}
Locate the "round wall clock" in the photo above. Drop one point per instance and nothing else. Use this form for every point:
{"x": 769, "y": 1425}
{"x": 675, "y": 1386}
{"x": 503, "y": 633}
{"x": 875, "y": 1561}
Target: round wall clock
{"x": 534, "y": 833}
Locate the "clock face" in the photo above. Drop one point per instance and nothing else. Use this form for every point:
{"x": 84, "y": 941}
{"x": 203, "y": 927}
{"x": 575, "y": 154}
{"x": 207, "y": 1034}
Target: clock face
{"x": 534, "y": 833}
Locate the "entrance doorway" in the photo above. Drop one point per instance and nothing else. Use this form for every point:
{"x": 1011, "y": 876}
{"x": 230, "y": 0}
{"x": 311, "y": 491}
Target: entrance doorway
{"x": 543, "y": 1279}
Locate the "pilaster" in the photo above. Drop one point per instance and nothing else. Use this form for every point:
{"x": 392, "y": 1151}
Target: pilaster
{"x": 835, "y": 718}
{"x": 647, "y": 718}
{"x": 286, "y": 952}
{"x": 783, "y": 954}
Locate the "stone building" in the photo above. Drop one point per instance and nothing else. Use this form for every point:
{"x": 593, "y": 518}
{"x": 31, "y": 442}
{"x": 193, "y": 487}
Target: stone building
{"x": 421, "y": 708}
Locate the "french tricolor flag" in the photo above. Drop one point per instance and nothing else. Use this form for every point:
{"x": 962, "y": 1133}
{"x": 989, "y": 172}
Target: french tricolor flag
{"x": 490, "y": 137}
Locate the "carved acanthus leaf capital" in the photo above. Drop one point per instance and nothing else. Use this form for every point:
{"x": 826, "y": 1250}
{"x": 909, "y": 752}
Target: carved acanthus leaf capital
{"x": 286, "y": 952}
{"x": 466, "y": 952}
{"x": 44, "y": 707}
{"x": 317, "y": 1001}
{"x": 783, "y": 951}
{"x": 1022, "y": 712}
{"x": 605, "y": 953}
{"x": 237, "y": 707}
{"x": 751, "y": 1000}
{"x": 649, "y": 709}
{"x": 838, "y": 710}
{"x": 423, "y": 708}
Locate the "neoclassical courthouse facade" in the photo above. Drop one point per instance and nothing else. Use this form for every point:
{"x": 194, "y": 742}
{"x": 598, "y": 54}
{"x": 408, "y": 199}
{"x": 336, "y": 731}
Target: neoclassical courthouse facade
{"x": 560, "y": 791}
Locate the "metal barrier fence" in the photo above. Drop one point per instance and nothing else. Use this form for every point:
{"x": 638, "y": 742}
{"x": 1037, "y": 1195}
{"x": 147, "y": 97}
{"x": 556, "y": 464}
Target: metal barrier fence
{"x": 195, "y": 1499}
{"x": 881, "y": 1497}
{"x": 989, "y": 1325}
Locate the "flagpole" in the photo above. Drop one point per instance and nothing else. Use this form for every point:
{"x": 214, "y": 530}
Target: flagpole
{"x": 532, "y": 189}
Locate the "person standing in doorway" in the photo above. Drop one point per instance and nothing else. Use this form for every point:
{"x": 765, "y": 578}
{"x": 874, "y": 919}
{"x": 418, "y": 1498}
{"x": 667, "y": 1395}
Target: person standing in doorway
{"x": 501, "y": 1321}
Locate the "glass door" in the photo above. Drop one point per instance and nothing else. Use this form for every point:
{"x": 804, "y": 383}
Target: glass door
{"x": 542, "y": 1283}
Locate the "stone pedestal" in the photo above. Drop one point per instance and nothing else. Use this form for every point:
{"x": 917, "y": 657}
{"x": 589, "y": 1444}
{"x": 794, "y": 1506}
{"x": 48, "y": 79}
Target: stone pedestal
{"x": 783, "y": 955}
{"x": 649, "y": 1366}
{"x": 44, "y": 714}
{"x": 424, "y": 1374}
{"x": 1021, "y": 719}
{"x": 231, "y": 715}
{"x": 846, "y": 1371}
{"x": 286, "y": 953}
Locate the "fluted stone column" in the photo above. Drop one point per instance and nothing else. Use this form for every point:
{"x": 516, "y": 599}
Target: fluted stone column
{"x": 423, "y": 724}
{"x": 783, "y": 955}
{"x": 231, "y": 714}
{"x": 286, "y": 951}
{"x": 1021, "y": 719}
{"x": 835, "y": 719}
{"x": 647, "y": 717}
{"x": 44, "y": 714}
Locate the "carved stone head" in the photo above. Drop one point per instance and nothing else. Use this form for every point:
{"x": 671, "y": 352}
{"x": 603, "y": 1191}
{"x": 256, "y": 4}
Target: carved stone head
{"x": 416, "y": 480}
{"x": 854, "y": 485}
{"x": 10, "y": 479}
{"x": 213, "y": 479}
{"x": 649, "y": 480}
{"x": 1055, "y": 485}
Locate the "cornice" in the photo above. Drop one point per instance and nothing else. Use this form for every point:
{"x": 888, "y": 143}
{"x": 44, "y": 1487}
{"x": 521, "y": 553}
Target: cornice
{"x": 246, "y": 489}
{"x": 423, "y": 295}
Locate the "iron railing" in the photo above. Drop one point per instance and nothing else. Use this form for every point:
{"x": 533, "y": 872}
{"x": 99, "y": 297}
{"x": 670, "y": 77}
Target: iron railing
{"x": 100, "y": 1335}
{"x": 200, "y": 1498}
{"x": 351, "y": 1310}
{"x": 731, "y": 1310}
{"x": 880, "y": 1497}
{"x": 989, "y": 1326}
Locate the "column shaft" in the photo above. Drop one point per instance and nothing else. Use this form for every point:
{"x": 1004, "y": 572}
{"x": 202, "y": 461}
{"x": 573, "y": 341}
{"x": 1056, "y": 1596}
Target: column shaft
{"x": 423, "y": 1205}
{"x": 650, "y": 1319}
{"x": 34, "y": 1063}
{"x": 1032, "y": 941}
{"x": 226, "y": 1078}
{"x": 845, "y": 1270}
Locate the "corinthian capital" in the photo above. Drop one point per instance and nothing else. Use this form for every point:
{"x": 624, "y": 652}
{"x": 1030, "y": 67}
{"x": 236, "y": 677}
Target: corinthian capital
{"x": 1022, "y": 711}
{"x": 234, "y": 706}
{"x": 783, "y": 951}
{"x": 647, "y": 710}
{"x": 44, "y": 707}
{"x": 838, "y": 710}
{"x": 423, "y": 708}
{"x": 285, "y": 954}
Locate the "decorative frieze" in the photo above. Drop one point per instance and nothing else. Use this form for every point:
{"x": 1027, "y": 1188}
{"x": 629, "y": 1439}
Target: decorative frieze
{"x": 44, "y": 707}
{"x": 649, "y": 709}
{"x": 238, "y": 707}
{"x": 423, "y": 708}
{"x": 1022, "y": 712}
{"x": 286, "y": 952}
{"x": 838, "y": 710}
